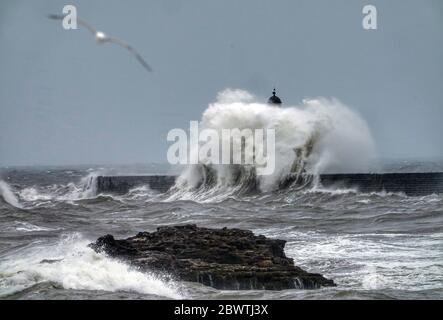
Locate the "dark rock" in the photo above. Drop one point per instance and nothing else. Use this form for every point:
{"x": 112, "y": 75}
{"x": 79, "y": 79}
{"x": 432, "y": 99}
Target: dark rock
{"x": 230, "y": 259}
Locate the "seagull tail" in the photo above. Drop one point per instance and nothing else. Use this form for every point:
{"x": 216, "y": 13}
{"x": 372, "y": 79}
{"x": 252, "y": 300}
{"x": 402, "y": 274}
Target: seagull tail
{"x": 55, "y": 16}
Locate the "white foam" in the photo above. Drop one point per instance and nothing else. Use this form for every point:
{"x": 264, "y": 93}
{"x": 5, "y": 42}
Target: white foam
{"x": 331, "y": 191}
{"x": 373, "y": 280}
{"x": 79, "y": 268}
{"x": 371, "y": 261}
{"x": 141, "y": 192}
{"x": 29, "y": 227}
{"x": 32, "y": 194}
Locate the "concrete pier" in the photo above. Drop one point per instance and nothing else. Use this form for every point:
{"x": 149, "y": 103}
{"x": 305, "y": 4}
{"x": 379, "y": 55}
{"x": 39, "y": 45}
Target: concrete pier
{"x": 122, "y": 184}
{"x": 412, "y": 184}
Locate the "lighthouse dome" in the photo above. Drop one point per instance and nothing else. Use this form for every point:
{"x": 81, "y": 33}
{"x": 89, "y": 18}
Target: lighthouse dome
{"x": 274, "y": 100}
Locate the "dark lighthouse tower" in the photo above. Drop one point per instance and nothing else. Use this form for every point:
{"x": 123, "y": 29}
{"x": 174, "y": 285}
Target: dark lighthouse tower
{"x": 274, "y": 100}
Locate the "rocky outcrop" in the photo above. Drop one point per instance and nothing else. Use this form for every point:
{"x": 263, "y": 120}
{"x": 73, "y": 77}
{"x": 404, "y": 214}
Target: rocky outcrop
{"x": 230, "y": 259}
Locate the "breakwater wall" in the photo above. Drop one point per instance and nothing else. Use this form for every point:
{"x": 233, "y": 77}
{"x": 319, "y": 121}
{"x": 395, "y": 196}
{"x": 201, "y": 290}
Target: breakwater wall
{"x": 122, "y": 184}
{"x": 412, "y": 184}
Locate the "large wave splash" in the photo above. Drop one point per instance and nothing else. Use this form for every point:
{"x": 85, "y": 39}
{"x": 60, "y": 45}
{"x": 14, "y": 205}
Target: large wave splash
{"x": 320, "y": 135}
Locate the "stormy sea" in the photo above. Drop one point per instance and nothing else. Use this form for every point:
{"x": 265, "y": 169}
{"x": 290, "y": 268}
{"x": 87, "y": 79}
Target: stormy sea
{"x": 374, "y": 246}
{"x": 377, "y": 245}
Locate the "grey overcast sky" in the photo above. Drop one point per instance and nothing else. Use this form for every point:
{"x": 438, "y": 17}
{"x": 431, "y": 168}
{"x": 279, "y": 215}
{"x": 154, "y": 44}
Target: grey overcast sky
{"x": 65, "y": 100}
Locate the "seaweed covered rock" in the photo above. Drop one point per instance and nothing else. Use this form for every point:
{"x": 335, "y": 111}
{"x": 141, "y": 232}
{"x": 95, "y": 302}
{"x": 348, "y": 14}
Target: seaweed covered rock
{"x": 229, "y": 259}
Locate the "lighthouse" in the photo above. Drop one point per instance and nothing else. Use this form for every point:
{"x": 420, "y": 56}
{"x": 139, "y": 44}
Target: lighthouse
{"x": 274, "y": 100}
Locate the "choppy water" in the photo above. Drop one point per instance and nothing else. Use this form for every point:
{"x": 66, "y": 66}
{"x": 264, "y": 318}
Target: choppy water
{"x": 374, "y": 246}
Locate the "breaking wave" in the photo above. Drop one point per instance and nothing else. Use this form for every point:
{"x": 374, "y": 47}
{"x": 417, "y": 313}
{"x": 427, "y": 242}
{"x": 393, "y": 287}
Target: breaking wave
{"x": 40, "y": 195}
{"x": 72, "y": 265}
{"x": 8, "y": 195}
{"x": 320, "y": 135}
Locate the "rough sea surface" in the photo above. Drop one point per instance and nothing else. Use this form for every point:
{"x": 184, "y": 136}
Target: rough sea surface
{"x": 374, "y": 246}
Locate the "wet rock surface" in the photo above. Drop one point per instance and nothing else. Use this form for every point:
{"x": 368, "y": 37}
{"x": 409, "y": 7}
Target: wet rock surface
{"x": 227, "y": 259}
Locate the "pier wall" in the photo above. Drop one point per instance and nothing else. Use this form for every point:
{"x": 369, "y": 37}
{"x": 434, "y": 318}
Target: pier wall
{"x": 413, "y": 184}
{"x": 122, "y": 184}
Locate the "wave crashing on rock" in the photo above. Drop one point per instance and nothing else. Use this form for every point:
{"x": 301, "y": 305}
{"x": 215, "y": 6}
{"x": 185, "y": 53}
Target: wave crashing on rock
{"x": 226, "y": 259}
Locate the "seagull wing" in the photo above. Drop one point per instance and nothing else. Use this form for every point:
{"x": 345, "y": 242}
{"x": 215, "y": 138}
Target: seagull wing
{"x": 117, "y": 41}
{"x": 86, "y": 25}
{"x": 131, "y": 50}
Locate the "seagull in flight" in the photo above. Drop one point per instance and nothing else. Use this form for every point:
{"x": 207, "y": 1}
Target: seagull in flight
{"x": 101, "y": 38}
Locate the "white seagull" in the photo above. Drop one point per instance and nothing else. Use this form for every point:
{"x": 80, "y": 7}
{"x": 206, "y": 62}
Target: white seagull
{"x": 101, "y": 38}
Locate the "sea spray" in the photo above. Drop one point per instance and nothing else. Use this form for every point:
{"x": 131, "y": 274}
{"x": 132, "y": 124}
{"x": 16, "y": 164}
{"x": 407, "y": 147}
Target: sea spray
{"x": 8, "y": 195}
{"x": 320, "y": 135}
